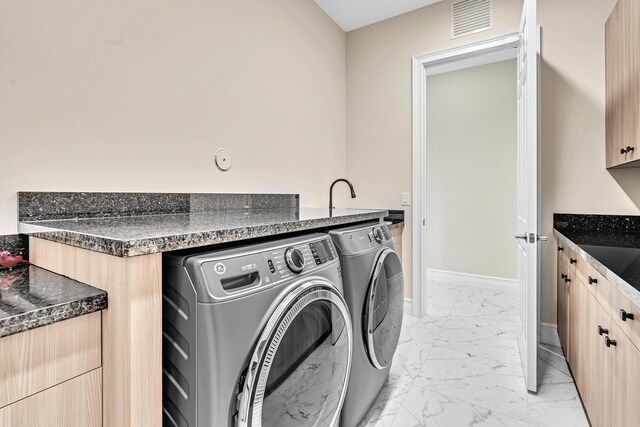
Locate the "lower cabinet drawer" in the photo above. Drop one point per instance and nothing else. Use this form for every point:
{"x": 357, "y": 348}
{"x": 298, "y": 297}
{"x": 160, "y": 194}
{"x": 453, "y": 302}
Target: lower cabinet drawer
{"x": 625, "y": 380}
{"x": 74, "y": 403}
{"x": 569, "y": 256}
{"x": 40, "y": 358}
{"x": 626, "y": 314}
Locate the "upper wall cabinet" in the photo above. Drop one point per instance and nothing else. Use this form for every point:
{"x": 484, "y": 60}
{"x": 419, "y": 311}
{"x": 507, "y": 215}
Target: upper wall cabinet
{"x": 622, "y": 46}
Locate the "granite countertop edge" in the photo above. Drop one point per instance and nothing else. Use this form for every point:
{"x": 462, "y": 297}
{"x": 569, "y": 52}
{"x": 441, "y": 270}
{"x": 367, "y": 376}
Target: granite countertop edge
{"x": 146, "y": 246}
{"x": 621, "y": 284}
{"x": 52, "y": 314}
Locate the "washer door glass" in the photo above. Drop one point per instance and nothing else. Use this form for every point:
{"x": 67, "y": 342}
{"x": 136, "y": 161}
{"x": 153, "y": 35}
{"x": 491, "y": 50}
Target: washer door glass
{"x": 299, "y": 370}
{"x": 384, "y": 308}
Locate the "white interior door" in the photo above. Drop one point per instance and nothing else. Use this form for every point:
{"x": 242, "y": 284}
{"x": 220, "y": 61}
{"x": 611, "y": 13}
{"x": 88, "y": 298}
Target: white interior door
{"x": 527, "y": 222}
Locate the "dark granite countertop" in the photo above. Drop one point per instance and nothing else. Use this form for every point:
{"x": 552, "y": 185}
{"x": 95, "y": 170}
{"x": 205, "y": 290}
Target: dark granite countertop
{"x": 31, "y": 297}
{"x": 126, "y": 236}
{"x": 610, "y": 243}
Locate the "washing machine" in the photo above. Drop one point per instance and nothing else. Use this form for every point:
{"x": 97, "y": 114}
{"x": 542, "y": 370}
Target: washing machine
{"x": 374, "y": 290}
{"x": 256, "y": 335}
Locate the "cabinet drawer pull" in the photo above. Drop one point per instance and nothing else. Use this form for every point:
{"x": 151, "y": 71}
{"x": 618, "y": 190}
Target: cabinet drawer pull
{"x": 630, "y": 149}
{"x": 567, "y": 280}
{"x": 624, "y": 315}
{"x": 623, "y": 151}
{"x": 609, "y": 342}
{"x": 573, "y": 261}
{"x": 560, "y": 249}
{"x": 602, "y": 331}
{"x": 564, "y": 276}
{"x": 592, "y": 280}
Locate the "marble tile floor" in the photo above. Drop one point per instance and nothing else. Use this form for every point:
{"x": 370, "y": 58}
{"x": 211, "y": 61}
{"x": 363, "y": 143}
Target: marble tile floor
{"x": 460, "y": 366}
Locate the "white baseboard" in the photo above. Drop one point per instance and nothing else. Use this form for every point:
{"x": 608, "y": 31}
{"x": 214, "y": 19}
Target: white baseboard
{"x": 465, "y": 279}
{"x": 549, "y": 334}
{"x": 408, "y": 306}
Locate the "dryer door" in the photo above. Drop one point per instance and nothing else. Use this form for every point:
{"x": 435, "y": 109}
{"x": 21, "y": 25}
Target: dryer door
{"x": 300, "y": 366}
{"x": 384, "y": 308}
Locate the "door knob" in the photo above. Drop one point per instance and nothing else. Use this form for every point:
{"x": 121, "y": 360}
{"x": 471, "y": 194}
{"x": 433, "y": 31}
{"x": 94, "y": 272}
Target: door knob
{"x": 602, "y": 330}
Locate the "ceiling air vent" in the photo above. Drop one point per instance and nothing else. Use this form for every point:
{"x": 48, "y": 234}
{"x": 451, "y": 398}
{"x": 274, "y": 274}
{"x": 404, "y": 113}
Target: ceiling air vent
{"x": 470, "y": 17}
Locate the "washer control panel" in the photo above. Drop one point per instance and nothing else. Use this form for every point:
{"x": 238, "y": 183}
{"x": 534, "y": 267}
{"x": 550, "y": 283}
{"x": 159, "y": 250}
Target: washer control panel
{"x": 237, "y": 271}
{"x": 298, "y": 259}
{"x": 322, "y": 251}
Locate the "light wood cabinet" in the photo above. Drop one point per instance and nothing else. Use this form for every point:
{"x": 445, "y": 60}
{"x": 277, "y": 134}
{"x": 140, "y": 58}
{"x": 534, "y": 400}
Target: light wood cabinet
{"x": 622, "y": 69}
{"x": 596, "y": 390}
{"x": 602, "y": 348}
{"x": 131, "y": 326}
{"x": 625, "y": 380}
{"x": 40, "y": 358}
{"x": 577, "y": 331}
{"x": 74, "y": 403}
{"x": 52, "y": 375}
{"x": 396, "y": 233}
{"x": 563, "y": 300}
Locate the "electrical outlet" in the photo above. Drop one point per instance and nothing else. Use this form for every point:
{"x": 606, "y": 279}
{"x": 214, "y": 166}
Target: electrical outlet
{"x": 405, "y": 199}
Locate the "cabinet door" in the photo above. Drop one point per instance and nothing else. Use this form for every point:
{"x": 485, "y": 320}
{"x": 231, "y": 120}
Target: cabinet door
{"x": 625, "y": 380}
{"x": 622, "y": 69}
{"x": 613, "y": 85}
{"x": 577, "y": 295}
{"x": 596, "y": 392}
{"x": 562, "y": 307}
{"x": 396, "y": 233}
{"x": 631, "y": 79}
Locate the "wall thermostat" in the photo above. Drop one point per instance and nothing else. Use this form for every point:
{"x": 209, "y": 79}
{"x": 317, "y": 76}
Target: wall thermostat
{"x": 223, "y": 159}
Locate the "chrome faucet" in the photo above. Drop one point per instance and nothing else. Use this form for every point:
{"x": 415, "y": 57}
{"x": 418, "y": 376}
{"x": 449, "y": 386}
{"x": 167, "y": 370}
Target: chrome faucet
{"x": 353, "y": 193}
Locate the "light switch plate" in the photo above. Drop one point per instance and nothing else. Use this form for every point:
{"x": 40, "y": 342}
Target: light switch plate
{"x": 405, "y": 199}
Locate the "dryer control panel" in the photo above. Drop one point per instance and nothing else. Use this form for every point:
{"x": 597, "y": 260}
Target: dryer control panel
{"x": 357, "y": 240}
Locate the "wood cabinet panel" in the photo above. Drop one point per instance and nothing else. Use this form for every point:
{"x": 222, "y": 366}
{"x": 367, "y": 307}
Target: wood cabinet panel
{"x": 622, "y": 70}
{"x": 625, "y": 380}
{"x": 596, "y": 391}
{"x": 131, "y": 326}
{"x": 607, "y": 377}
{"x": 569, "y": 257}
{"x": 40, "y": 358}
{"x": 619, "y": 303}
{"x": 396, "y": 232}
{"x": 577, "y": 328}
{"x": 587, "y": 275}
{"x": 74, "y": 403}
{"x": 562, "y": 304}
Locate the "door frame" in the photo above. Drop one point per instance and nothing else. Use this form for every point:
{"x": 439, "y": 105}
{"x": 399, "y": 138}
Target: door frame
{"x": 424, "y": 65}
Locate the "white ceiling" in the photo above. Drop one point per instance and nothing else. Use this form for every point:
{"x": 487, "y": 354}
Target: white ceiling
{"x": 353, "y": 14}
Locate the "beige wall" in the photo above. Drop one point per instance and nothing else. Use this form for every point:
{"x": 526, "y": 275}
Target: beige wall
{"x": 574, "y": 178}
{"x": 379, "y": 100}
{"x": 471, "y": 170}
{"x": 137, "y": 96}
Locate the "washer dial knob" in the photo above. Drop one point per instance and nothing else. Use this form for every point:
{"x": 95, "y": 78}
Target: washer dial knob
{"x": 294, "y": 259}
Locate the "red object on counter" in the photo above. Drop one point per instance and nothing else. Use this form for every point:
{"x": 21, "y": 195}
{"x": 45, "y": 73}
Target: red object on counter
{"x": 7, "y": 260}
